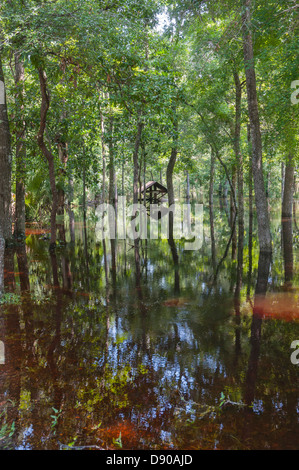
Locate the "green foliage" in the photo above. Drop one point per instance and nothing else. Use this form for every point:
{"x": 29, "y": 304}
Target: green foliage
{"x": 10, "y": 298}
{"x": 55, "y": 417}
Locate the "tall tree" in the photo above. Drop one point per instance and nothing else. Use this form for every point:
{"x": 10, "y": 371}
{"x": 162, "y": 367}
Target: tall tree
{"x": 5, "y": 163}
{"x": 45, "y": 104}
{"x": 19, "y": 228}
{"x": 286, "y": 218}
{"x": 256, "y": 139}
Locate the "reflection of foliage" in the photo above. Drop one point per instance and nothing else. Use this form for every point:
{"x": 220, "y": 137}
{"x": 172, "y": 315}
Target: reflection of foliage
{"x": 7, "y": 430}
{"x": 10, "y": 298}
{"x": 143, "y": 363}
{"x": 55, "y": 417}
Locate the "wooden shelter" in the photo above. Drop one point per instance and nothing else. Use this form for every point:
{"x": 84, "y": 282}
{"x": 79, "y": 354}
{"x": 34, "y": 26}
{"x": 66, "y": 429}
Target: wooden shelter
{"x": 154, "y": 193}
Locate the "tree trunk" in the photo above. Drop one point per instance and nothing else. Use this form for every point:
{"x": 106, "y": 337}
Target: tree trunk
{"x": 84, "y": 194}
{"x": 70, "y": 209}
{"x": 169, "y": 171}
{"x": 19, "y": 229}
{"x": 256, "y": 140}
{"x": 172, "y": 161}
{"x": 103, "y": 158}
{"x": 123, "y": 178}
{"x": 63, "y": 156}
{"x": 188, "y": 187}
{"x": 233, "y": 214}
{"x": 5, "y": 164}
{"x": 135, "y": 159}
{"x": 286, "y": 216}
{"x": 250, "y": 226}
{"x": 211, "y": 208}
{"x": 239, "y": 158}
{"x": 144, "y": 178}
{"x": 282, "y": 179}
{"x": 135, "y": 191}
{"x": 46, "y": 152}
{"x": 294, "y": 203}
{"x": 111, "y": 164}
{"x": 2, "y": 252}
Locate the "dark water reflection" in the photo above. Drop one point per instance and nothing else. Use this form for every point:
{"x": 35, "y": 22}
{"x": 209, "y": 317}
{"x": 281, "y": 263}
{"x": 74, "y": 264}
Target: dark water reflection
{"x": 105, "y": 346}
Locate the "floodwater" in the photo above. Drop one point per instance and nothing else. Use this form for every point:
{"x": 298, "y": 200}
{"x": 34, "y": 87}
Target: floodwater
{"x": 102, "y": 348}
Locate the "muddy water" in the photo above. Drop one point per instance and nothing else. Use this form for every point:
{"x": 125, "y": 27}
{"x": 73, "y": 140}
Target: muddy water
{"x": 99, "y": 351}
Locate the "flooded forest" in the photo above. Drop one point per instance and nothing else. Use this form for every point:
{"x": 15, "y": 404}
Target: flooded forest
{"x": 149, "y": 225}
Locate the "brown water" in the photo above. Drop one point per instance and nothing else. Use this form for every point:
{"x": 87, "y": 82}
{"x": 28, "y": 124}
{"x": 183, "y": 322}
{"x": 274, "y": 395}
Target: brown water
{"x": 167, "y": 359}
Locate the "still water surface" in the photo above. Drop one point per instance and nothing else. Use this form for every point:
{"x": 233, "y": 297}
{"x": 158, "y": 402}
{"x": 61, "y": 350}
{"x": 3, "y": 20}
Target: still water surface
{"x": 99, "y": 351}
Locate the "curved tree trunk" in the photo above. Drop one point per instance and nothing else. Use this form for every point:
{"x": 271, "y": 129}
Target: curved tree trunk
{"x": 46, "y": 152}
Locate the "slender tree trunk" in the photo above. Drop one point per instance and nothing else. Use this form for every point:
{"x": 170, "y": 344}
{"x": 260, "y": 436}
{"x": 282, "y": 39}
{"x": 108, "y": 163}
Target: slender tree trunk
{"x": 257, "y": 167}
{"x": 2, "y": 252}
{"x": 239, "y": 158}
{"x": 287, "y": 201}
{"x": 135, "y": 190}
{"x": 84, "y": 195}
{"x": 19, "y": 229}
{"x": 5, "y": 164}
{"x": 135, "y": 159}
{"x": 123, "y": 178}
{"x": 46, "y": 152}
{"x": 169, "y": 175}
{"x": 172, "y": 161}
{"x": 233, "y": 214}
{"x": 171, "y": 201}
{"x": 103, "y": 158}
{"x": 144, "y": 178}
{"x": 85, "y": 221}
{"x": 286, "y": 215}
{"x": 282, "y": 179}
{"x": 188, "y": 187}
{"x": 211, "y": 208}
{"x": 188, "y": 201}
{"x": 116, "y": 202}
{"x": 294, "y": 203}
{"x": 70, "y": 209}
{"x": 111, "y": 164}
{"x": 169, "y": 171}
{"x": 63, "y": 156}
{"x": 250, "y": 226}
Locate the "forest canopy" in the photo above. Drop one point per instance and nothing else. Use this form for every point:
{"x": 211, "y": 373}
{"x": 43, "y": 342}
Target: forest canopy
{"x": 106, "y": 96}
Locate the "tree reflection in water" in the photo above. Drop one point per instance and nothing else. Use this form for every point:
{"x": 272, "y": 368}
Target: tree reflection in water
{"x": 155, "y": 351}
